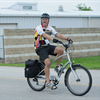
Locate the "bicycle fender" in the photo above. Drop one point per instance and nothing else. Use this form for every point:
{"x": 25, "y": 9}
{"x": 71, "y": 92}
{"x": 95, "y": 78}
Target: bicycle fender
{"x": 75, "y": 65}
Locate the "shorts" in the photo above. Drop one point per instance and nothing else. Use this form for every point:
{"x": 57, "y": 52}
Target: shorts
{"x": 45, "y": 51}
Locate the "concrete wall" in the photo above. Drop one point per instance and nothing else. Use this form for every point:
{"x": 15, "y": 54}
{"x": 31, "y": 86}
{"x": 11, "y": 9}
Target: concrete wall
{"x": 85, "y": 22}
{"x": 19, "y": 43}
{"x": 95, "y": 22}
{"x": 91, "y": 22}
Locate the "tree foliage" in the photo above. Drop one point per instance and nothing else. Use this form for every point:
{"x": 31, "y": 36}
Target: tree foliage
{"x": 83, "y": 7}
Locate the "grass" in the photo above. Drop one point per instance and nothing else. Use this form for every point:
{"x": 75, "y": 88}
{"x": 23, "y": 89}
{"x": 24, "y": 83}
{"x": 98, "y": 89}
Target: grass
{"x": 88, "y": 62}
{"x": 15, "y": 65}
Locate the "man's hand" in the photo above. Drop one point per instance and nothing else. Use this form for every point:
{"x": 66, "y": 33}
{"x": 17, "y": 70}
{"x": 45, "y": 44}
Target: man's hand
{"x": 55, "y": 41}
{"x": 70, "y": 41}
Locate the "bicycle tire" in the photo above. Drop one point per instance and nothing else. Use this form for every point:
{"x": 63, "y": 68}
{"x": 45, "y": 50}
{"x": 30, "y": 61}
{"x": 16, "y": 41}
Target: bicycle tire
{"x": 35, "y": 87}
{"x": 75, "y": 86}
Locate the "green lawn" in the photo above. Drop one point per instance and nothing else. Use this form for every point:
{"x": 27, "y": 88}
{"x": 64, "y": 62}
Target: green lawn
{"x": 88, "y": 62}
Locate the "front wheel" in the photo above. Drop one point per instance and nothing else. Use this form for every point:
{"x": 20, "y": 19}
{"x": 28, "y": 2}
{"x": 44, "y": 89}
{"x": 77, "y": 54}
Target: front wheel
{"x": 82, "y": 84}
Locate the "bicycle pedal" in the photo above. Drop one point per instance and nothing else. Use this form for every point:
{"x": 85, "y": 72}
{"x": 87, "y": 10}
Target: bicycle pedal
{"x": 54, "y": 88}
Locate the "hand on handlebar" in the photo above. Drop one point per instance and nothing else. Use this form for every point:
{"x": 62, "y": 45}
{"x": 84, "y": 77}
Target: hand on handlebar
{"x": 70, "y": 41}
{"x": 65, "y": 45}
{"x": 55, "y": 41}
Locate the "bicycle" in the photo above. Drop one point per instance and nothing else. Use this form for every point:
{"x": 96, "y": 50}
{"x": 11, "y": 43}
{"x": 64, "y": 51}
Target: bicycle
{"x": 77, "y": 78}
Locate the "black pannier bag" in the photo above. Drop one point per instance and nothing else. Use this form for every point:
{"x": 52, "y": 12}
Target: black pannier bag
{"x": 32, "y": 68}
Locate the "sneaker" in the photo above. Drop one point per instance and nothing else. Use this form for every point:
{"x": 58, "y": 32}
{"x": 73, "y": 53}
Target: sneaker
{"x": 57, "y": 70}
{"x": 51, "y": 86}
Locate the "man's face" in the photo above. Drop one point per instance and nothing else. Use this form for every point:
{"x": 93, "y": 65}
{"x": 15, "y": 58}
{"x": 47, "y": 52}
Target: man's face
{"x": 45, "y": 22}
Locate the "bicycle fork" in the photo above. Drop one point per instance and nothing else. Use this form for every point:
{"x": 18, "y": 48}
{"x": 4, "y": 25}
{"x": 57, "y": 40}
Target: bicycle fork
{"x": 73, "y": 71}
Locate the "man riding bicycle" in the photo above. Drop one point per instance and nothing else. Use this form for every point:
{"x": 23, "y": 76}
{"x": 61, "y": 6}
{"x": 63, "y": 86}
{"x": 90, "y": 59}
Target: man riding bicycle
{"x": 42, "y": 45}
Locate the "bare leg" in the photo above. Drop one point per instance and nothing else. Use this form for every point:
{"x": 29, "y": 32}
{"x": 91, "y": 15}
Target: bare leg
{"x": 47, "y": 69}
{"x": 60, "y": 52}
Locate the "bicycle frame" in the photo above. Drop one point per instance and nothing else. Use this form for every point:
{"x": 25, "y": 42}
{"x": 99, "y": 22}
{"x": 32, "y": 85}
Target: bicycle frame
{"x": 69, "y": 62}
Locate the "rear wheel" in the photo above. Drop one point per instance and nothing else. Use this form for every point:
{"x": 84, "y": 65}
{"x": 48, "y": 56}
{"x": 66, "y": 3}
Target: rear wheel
{"x": 82, "y": 85}
{"x": 37, "y": 84}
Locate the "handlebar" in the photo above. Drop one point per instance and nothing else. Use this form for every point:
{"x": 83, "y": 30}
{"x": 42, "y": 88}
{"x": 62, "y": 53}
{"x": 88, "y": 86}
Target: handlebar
{"x": 65, "y": 45}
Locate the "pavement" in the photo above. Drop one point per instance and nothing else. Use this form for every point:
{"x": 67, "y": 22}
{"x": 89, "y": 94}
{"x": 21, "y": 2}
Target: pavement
{"x": 14, "y": 86}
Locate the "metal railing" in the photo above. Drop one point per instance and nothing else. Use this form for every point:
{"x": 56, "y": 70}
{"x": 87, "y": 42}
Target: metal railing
{"x": 2, "y": 54}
